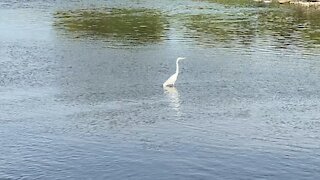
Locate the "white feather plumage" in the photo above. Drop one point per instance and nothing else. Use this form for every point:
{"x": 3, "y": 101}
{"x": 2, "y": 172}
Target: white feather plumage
{"x": 173, "y": 78}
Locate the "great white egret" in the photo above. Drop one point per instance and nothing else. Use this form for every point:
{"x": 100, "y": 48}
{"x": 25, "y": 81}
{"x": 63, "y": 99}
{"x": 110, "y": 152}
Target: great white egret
{"x": 172, "y": 79}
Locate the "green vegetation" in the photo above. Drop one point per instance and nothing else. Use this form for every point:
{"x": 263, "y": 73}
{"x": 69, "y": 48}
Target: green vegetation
{"x": 233, "y": 2}
{"x": 292, "y": 25}
{"x": 287, "y": 26}
{"x": 127, "y": 25}
{"x": 223, "y": 29}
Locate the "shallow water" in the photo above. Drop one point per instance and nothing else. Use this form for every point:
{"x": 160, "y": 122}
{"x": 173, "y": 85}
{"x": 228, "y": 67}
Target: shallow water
{"x": 81, "y": 95}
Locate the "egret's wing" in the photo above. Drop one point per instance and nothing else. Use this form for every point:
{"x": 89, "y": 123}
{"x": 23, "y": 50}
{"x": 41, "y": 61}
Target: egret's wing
{"x": 172, "y": 79}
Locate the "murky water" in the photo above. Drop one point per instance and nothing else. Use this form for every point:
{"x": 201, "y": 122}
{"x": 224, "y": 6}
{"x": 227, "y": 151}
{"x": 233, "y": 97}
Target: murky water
{"x": 81, "y": 94}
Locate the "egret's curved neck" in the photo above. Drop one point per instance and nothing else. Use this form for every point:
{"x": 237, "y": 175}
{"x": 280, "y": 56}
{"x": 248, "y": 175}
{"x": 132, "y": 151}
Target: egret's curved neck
{"x": 177, "y": 67}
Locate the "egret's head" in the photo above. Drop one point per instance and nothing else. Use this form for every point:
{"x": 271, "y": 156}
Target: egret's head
{"x": 180, "y": 58}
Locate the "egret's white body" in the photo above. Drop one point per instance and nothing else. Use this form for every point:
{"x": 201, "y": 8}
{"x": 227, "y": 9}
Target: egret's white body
{"x": 172, "y": 79}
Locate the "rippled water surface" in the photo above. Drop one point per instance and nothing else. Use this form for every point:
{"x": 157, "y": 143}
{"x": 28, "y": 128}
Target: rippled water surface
{"x": 81, "y": 92}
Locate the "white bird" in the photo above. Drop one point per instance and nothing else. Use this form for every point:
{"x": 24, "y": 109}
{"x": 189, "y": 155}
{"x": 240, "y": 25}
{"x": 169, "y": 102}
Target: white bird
{"x": 172, "y": 79}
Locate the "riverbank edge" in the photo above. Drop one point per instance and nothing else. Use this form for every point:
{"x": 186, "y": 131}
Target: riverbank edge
{"x": 315, "y": 4}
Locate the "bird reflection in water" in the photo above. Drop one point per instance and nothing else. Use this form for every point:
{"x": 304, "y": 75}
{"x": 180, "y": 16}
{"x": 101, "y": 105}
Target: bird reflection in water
{"x": 174, "y": 98}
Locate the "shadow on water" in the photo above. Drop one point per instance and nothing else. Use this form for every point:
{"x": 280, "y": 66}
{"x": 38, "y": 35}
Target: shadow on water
{"x": 128, "y": 26}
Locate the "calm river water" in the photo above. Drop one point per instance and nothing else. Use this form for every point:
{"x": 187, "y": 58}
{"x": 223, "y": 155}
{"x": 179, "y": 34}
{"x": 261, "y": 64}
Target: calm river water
{"x": 81, "y": 92}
